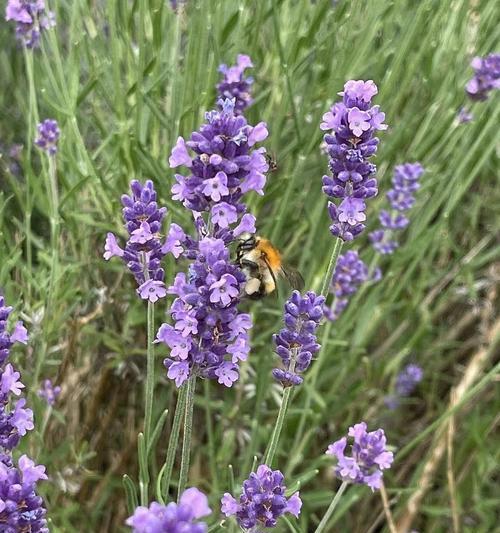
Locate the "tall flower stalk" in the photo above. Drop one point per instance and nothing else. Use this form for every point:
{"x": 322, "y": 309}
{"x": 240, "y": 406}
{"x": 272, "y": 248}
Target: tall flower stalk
{"x": 142, "y": 254}
{"x": 21, "y": 509}
{"x": 295, "y": 344}
{"x": 208, "y": 336}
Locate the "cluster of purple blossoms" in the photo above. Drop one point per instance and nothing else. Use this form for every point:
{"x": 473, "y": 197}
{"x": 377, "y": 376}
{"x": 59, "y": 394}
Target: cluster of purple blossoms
{"x": 174, "y": 517}
{"x": 350, "y": 273}
{"x": 262, "y": 501}
{"x": 404, "y": 183}
{"x": 144, "y": 249}
{"x": 369, "y": 456}
{"x": 296, "y": 343}
{"x": 209, "y": 335}
{"x": 20, "y": 507}
{"x": 486, "y": 77}
{"x": 31, "y": 19}
{"x": 406, "y": 382}
{"x": 48, "y": 392}
{"x": 235, "y": 85}
{"x": 48, "y": 135}
{"x": 351, "y": 143}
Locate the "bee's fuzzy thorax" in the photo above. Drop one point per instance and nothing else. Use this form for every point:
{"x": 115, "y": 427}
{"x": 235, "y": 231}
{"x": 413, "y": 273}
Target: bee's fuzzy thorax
{"x": 272, "y": 254}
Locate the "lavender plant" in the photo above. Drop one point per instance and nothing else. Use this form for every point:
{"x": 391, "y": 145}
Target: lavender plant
{"x": 48, "y": 136}
{"x": 262, "y": 501}
{"x": 21, "y": 509}
{"x": 174, "y": 517}
{"x": 144, "y": 248}
{"x": 350, "y": 273}
{"x": 234, "y": 85}
{"x": 369, "y": 457}
{"x": 404, "y": 184}
{"x": 486, "y": 77}
{"x": 209, "y": 335}
{"x": 31, "y": 18}
{"x": 352, "y": 141}
{"x": 406, "y": 382}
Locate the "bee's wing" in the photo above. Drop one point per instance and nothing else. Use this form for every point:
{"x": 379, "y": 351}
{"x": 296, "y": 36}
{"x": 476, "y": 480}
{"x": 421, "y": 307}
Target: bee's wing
{"x": 293, "y": 276}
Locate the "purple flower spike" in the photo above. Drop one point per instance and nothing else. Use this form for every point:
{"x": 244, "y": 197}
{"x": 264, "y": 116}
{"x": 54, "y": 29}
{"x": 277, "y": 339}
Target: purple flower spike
{"x": 351, "y": 143}
{"x": 48, "y": 136}
{"x": 48, "y": 392}
{"x": 262, "y": 501}
{"x": 486, "y": 77}
{"x": 234, "y": 85}
{"x": 350, "y": 273}
{"x": 296, "y": 343}
{"x": 31, "y": 20}
{"x": 21, "y": 509}
{"x": 404, "y": 183}
{"x": 208, "y": 336}
{"x": 369, "y": 456}
{"x": 144, "y": 249}
{"x": 174, "y": 517}
{"x": 406, "y": 382}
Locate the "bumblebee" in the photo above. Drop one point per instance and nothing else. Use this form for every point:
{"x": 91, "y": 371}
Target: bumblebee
{"x": 262, "y": 264}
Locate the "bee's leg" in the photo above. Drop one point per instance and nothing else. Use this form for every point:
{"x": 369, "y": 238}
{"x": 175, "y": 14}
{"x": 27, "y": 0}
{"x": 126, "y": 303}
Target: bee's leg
{"x": 252, "y": 267}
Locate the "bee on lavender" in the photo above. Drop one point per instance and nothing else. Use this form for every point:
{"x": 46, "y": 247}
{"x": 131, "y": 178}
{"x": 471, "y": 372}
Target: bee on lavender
{"x": 262, "y": 264}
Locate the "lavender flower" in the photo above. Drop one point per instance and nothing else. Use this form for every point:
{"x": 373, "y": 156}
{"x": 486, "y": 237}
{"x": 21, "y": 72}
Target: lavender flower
{"x": 262, "y": 501}
{"x": 369, "y": 456}
{"x": 464, "y": 116}
{"x": 350, "y": 273}
{"x": 48, "y": 135}
{"x": 31, "y": 19}
{"x": 352, "y": 142}
{"x": 235, "y": 85}
{"x": 406, "y": 382}
{"x": 144, "y": 249}
{"x": 486, "y": 77}
{"x": 209, "y": 336}
{"x": 48, "y": 392}
{"x": 404, "y": 184}
{"x": 174, "y": 517}
{"x": 296, "y": 343}
{"x": 20, "y": 507}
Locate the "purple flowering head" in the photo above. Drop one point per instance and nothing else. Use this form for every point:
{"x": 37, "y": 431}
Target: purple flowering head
{"x": 262, "y": 501}
{"x": 408, "y": 379}
{"x": 48, "y": 392}
{"x": 224, "y": 167}
{"x": 144, "y": 248}
{"x": 31, "y": 18}
{"x": 21, "y": 509}
{"x": 48, "y": 136}
{"x": 208, "y": 335}
{"x": 350, "y": 273}
{"x": 350, "y": 144}
{"x": 296, "y": 343}
{"x": 174, "y": 517}
{"x": 486, "y": 77}
{"x": 368, "y": 456}
{"x": 405, "y": 183}
{"x": 464, "y": 116}
{"x": 234, "y": 85}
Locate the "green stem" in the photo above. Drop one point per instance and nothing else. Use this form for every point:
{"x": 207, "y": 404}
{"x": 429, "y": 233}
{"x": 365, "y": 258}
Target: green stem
{"x": 173, "y": 441}
{"x": 32, "y": 121}
{"x": 54, "y": 230}
{"x": 188, "y": 431}
{"x": 275, "y": 437}
{"x": 337, "y": 247}
{"x": 331, "y": 508}
{"x": 150, "y": 375}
